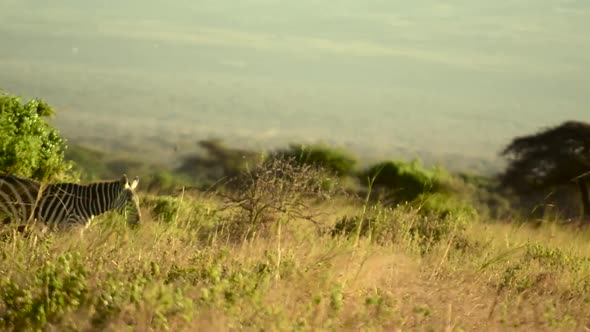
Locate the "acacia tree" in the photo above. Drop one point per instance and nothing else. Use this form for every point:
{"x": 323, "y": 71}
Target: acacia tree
{"x": 29, "y": 145}
{"x": 553, "y": 157}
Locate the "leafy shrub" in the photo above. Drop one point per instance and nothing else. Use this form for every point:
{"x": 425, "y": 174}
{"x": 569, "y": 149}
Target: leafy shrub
{"x": 443, "y": 205}
{"x": 540, "y": 268}
{"x": 349, "y": 225}
{"x": 433, "y": 192}
{"x": 229, "y": 282}
{"x": 430, "y": 230}
{"x": 57, "y": 288}
{"x": 405, "y": 180}
{"x": 29, "y": 146}
{"x": 164, "y": 181}
{"x": 385, "y": 225}
{"x": 555, "y": 259}
{"x": 166, "y": 208}
{"x": 486, "y": 195}
{"x": 143, "y": 288}
{"x": 381, "y": 224}
{"x": 332, "y": 159}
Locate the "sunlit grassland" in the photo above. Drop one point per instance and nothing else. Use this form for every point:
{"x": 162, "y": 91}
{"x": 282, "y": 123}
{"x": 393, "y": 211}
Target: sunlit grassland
{"x": 188, "y": 267}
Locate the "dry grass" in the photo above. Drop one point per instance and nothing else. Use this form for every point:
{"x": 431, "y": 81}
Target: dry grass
{"x": 188, "y": 273}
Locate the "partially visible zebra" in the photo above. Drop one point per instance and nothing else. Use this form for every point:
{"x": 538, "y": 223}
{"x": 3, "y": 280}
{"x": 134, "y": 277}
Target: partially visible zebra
{"x": 64, "y": 204}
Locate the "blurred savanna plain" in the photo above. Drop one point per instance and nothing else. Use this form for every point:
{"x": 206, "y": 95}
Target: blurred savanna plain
{"x": 448, "y": 81}
{"x": 342, "y": 229}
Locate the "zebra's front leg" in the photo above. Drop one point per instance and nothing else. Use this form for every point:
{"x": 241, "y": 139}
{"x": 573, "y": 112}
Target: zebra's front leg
{"x": 76, "y": 220}
{"x": 88, "y": 222}
{"x": 85, "y": 226}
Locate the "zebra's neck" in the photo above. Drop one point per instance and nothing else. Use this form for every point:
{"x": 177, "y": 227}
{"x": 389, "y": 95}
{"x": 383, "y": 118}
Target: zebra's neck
{"x": 103, "y": 196}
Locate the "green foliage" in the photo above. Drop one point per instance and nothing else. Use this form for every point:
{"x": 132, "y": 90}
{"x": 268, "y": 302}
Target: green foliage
{"x": 225, "y": 283}
{"x": 29, "y": 146}
{"x": 194, "y": 218}
{"x": 349, "y": 225}
{"x": 405, "y": 180}
{"x": 378, "y": 224}
{"x": 57, "y": 288}
{"x": 166, "y": 208}
{"x": 442, "y": 205}
{"x": 477, "y": 180}
{"x": 554, "y": 157}
{"x": 332, "y": 159}
{"x": 485, "y": 194}
{"x": 143, "y": 287}
{"x": 164, "y": 181}
{"x": 166, "y": 276}
{"x": 384, "y": 225}
{"x": 542, "y": 269}
{"x": 430, "y": 230}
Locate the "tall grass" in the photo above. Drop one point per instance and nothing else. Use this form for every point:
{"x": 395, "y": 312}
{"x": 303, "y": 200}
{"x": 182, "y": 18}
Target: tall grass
{"x": 277, "y": 253}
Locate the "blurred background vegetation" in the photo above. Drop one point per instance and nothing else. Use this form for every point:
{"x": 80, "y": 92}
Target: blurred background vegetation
{"x": 229, "y": 229}
{"x": 32, "y": 147}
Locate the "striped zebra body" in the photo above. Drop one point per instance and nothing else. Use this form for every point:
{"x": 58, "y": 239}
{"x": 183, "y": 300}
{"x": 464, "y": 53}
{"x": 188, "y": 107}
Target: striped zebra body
{"x": 62, "y": 204}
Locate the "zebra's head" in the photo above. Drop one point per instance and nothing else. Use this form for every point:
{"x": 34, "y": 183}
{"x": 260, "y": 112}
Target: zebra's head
{"x": 128, "y": 201}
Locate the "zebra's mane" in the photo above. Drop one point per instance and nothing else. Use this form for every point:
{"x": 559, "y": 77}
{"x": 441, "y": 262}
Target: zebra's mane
{"x": 86, "y": 184}
{"x": 11, "y": 177}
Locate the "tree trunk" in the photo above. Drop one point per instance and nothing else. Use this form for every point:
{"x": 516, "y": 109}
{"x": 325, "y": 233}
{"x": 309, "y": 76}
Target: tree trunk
{"x": 585, "y": 199}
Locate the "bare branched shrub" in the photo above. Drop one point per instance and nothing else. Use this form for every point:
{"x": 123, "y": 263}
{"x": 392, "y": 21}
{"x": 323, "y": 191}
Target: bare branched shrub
{"x": 277, "y": 189}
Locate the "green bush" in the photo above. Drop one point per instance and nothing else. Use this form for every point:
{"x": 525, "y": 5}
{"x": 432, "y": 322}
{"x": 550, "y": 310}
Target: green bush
{"x": 57, "y": 288}
{"x": 406, "y": 181}
{"x": 166, "y": 208}
{"x": 429, "y": 230}
{"x": 385, "y": 225}
{"x": 537, "y": 268}
{"x": 163, "y": 181}
{"x": 443, "y": 205}
{"x": 349, "y": 226}
{"x": 381, "y": 224}
{"x": 29, "y": 146}
{"x": 332, "y": 159}
{"x": 117, "y": 293}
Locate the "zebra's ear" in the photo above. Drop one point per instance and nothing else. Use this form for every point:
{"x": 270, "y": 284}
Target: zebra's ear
{"x": 124, "y": 181}
{"x": 133, "y": 184}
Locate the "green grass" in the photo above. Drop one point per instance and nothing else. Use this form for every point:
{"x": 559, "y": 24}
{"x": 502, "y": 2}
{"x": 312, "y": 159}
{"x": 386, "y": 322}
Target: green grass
{"x": 185, "y": 269}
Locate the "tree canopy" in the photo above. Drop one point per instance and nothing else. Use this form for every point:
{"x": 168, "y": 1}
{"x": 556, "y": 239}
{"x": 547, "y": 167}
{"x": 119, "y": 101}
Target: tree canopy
{"x": 553, "y": 157}
{"x": 29, "y": 145}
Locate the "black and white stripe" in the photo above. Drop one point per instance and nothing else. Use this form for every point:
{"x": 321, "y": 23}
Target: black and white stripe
{"x": 62, "y": 204}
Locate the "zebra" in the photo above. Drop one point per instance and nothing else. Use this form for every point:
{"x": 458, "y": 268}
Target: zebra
{"x": 66, "y": 204}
